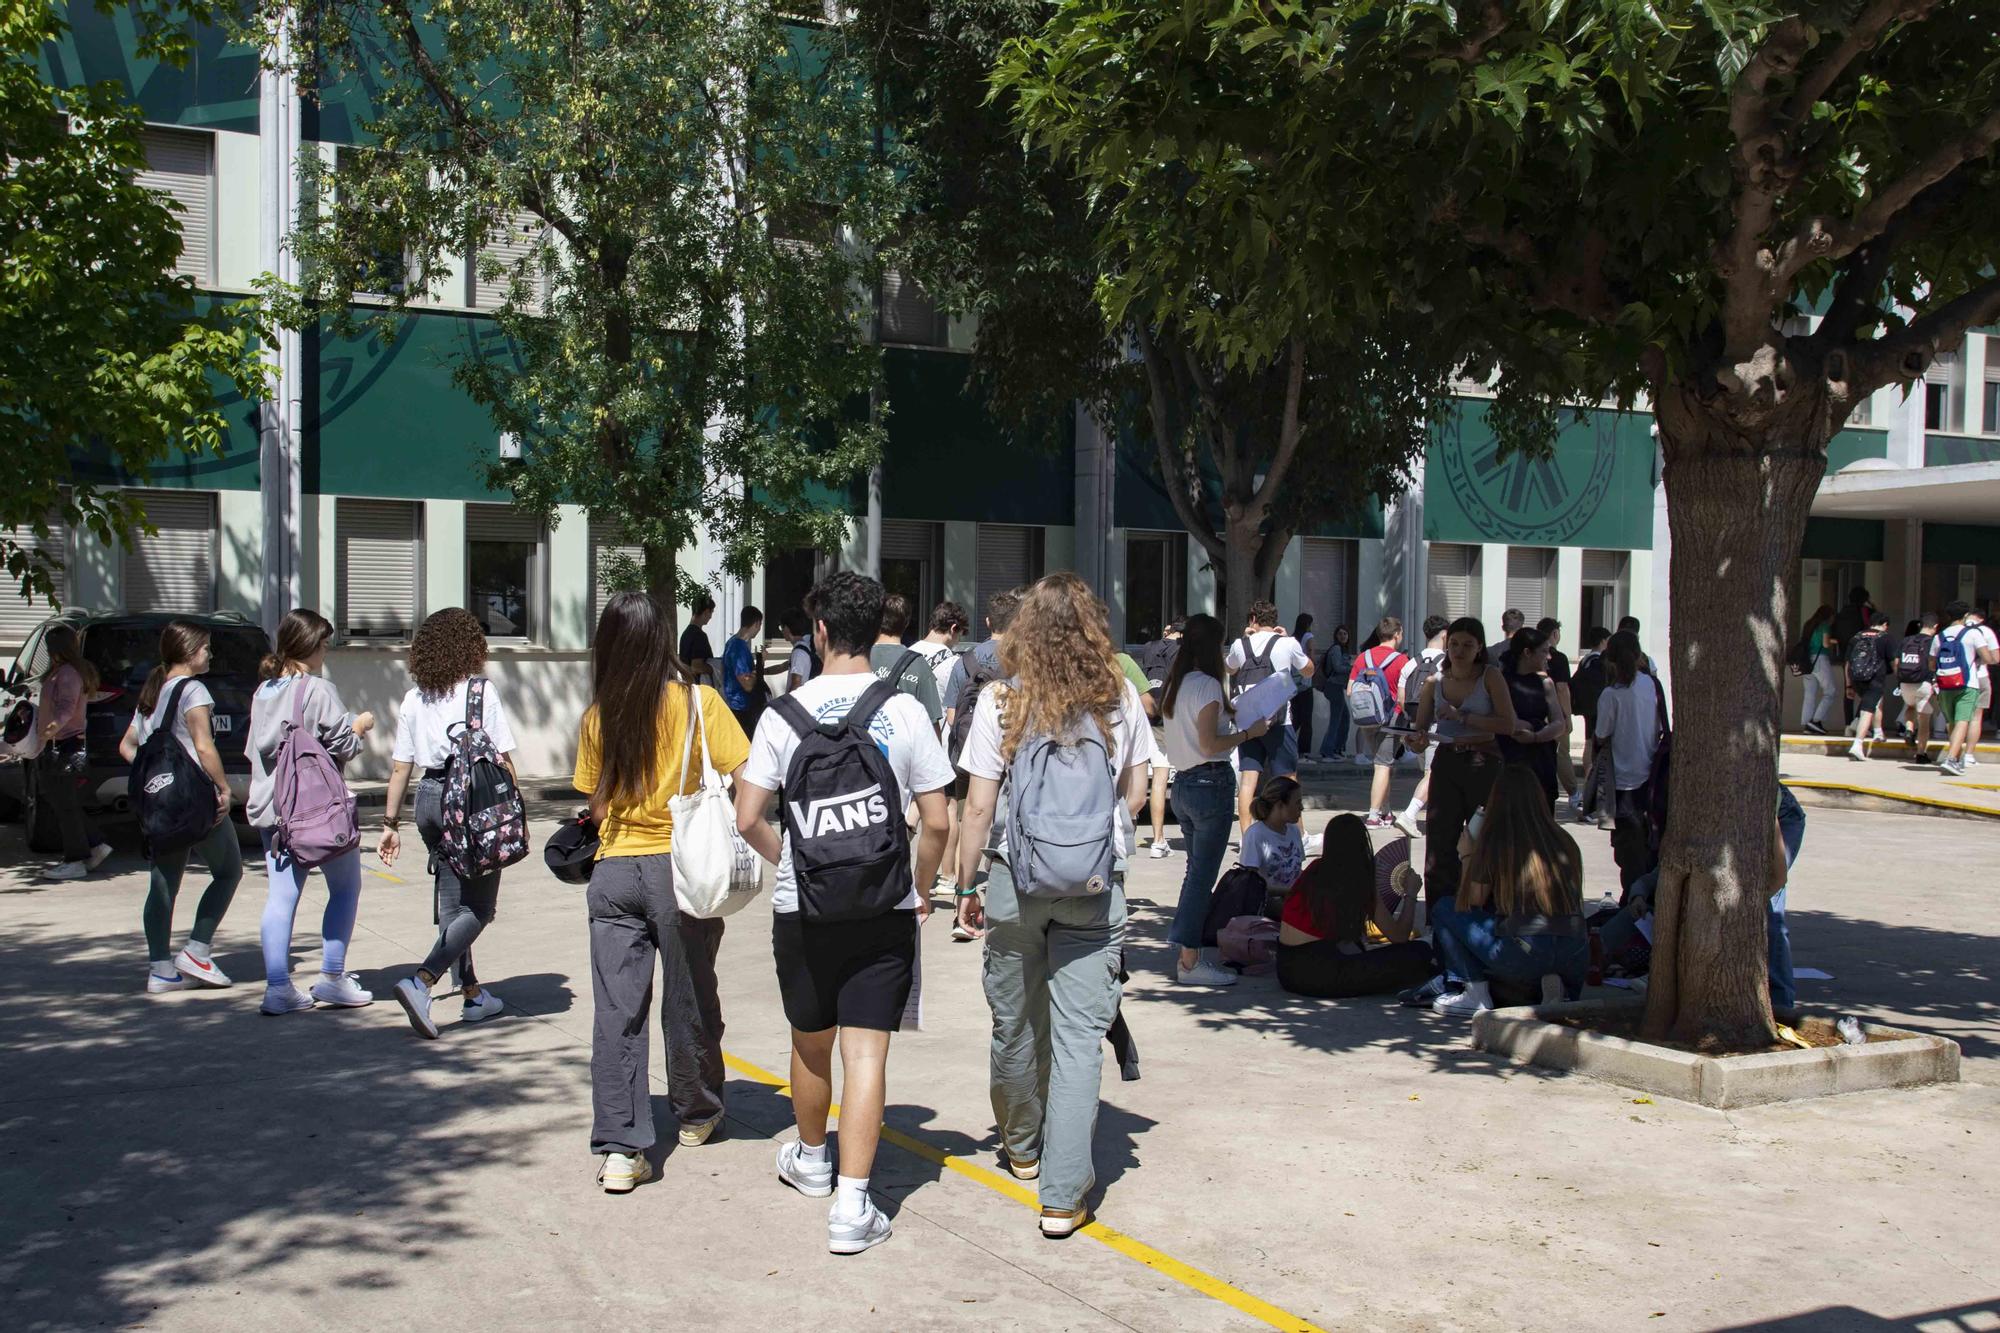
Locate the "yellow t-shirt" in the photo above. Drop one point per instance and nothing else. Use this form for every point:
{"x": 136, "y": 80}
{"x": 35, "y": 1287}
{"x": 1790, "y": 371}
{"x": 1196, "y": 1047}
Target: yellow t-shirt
{"x": 645, "y": 827}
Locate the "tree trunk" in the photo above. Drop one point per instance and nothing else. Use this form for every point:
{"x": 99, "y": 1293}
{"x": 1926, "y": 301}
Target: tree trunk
{"x": 1243, "y": 579}
{"x": 1737, "y": 502}
{"x": 662, "y": 582}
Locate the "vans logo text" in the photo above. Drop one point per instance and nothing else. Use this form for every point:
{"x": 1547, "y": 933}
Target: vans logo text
{"x": 837, "y": 814}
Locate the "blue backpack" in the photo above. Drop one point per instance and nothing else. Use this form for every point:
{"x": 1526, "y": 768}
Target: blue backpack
{"x": 1062, "y": 815}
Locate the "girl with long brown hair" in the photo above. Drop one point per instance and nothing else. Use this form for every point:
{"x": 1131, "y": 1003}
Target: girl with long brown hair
{"x": 174, "y": 697}
{"x": 291, "y": 674}
{"x": 1519, "y": 913}
{"x": 67, "y": 684}
{"x": 1337, "y": 937}
{"x": 633, "y": 757}
{"x": 1052, "y": 962}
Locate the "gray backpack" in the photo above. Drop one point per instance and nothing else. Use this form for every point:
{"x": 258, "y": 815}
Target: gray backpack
{"x": 1062, "y": 816}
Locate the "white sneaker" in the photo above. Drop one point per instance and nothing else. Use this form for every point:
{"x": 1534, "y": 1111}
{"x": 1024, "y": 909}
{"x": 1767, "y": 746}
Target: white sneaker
{"x": 1362, "y": 761}
{"x": 812, "y": 1179}
{"x": 1205, "y": 973}
{"x": 483, "y": 1008}
{"x": 1407, "y": 823}
{"x": 620, "y": 1174}
{"x": 1160, "y": 850}
{"x": 853, "y": 1235}
{"x": 99, "y": 853}
{"x": 201, "y": 971}
{"x": 159, "y": 985}
{"x": 343, "y": 991}
{"x": 1476, "y": 998}
{"x": 1971, "y": 760}
{"x": 415, "y": 997}
{"x": 693, "y": 1136}
{"x": 288, "y": 1000}
{"x": 67, "y": 870}
{"x": 1552, "y": 989}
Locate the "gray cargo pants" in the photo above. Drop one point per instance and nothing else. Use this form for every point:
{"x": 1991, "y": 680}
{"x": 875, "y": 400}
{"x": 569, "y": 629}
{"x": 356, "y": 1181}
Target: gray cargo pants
{"x": 1051, "y": 976}
{"x": 633, "y": 916}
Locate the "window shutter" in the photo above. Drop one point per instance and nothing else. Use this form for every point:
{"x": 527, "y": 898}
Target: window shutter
{"x": 19, "y": 615}
{"x": 909, "y": 316}
{"x": 377, "y": 568}
{"x": 174, "y": 572}
{"x": 903, "y": 539}
{"x": 1453, "y": 581}
{"x": 180, "y": 165}
{"x": 1603, "y": 566}
{"x": 1007, "y": 559}
{"x": 1531, "y": 575}
{"x": 606, "y": 542}
{"x": 1323, "y": 587}
{"x": 1943, "y": 368}
{"x": 516, "y": 244}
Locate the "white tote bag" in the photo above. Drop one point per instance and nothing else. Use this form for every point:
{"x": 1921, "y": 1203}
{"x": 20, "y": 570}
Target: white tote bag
{"x": 715, "y": 872}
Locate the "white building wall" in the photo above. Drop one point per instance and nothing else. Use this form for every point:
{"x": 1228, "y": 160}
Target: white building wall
{"x": 239, "y": 567}
{"x": 238, "y": 183}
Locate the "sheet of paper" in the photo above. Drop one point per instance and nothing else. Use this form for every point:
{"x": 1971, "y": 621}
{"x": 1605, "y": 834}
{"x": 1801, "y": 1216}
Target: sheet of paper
{"x": 1810, "y": 974}
{"x": 1267, "y": 699}
{"x": 913, "y": 1008}
{"x": 1645, "y": 927}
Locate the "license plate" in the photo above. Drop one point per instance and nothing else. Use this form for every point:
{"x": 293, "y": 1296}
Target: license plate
{"x": 224, "y": 724}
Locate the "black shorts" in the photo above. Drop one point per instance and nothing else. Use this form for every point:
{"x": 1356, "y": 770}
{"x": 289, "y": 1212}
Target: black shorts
{"x": 1868, "y": 698}
{"x": 961, "y": 785}
{"x": 849, "y": 974}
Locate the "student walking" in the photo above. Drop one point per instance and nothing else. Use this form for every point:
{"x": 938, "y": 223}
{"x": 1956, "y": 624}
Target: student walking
{"x": 1629, "y": 718}
{"x": 1065, "y": 743}
{"x": 1156, "y": 660}
{"x": 1813, "y": 660}
{"x": 913, "y": 675}
{"x": 939, "y": 651}
{"x": 1586, "y": 685}
{"x": 1559, "y": 675}
{"x": 1463, "y": 711}
{"x": 67, "y": 684}
{"x": 1915, "y": 665}
{"x": 293, "y": 688}
{"x": 634, "y": 755}
{"x": 697, "y": 654}
{"x": 1867, "y": 674}
{"x": 174, "y": 697}
{"x": 1961, "y": 660}
{"x": 448, "y": 697}
{"x": 1427, "y": 663}
{"x": 971, "y": 673}
{"x": 743, "y": 687}
{"x": 1199, "y": 736}
{"x": 848, "y": 753}
{"x": 1263, "y": 651}
{"x": 1987, "y": 650}
{"x": 1384, "y": 668}
{"x": 1332, "y": 681}
{"x": 804, "y": 662}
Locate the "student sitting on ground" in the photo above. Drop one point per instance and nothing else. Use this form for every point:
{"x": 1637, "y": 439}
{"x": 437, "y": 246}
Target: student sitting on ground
{"x": 1518, "y": 914}
{"x": 1274, "y": 846}
{"x": 1336, "y": 938}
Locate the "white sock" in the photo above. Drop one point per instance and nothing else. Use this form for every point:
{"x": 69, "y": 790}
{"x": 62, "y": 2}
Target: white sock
{"x": 164, "y": 969}
{"x": 197, "y": 950}
{"x": 850, "y": 1196}
{"x": 810, "y": 1153}
{"x": 1414, "y": 808}
{"x": 1480, "y": 991}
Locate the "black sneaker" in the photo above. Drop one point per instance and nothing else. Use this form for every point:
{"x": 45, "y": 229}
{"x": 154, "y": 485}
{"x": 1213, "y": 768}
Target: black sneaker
{"x": 1420, "y": 997}
{"x": 1812, "y": 728}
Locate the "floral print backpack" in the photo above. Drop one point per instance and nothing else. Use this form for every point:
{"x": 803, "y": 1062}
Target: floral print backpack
{"x": 485, "y": 821}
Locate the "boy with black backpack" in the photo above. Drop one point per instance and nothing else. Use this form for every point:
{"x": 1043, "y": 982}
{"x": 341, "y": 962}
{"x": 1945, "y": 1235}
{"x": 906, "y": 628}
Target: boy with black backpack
{"x": 844, "y": 754}
{"x": 1867, "y": 674}
{"x": 1913, "y": 679}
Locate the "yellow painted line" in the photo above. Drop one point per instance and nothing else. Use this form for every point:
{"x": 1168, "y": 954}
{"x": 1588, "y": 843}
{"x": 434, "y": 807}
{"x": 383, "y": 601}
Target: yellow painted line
{"x": 1186, "y": 1274}
{"x": 1978, "y": 786}
{"x": 1907, "y": 798}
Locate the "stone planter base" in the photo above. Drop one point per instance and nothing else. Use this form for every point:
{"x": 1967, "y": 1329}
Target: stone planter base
{"x": 1906, "y": 1059}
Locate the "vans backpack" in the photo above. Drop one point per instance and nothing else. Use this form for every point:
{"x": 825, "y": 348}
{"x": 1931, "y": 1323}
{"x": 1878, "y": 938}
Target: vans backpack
{"x": 843, "y": 813}
{"x": 1954, "y": 662}
{"x": 315, "y": 810}
{"x": 485, "y": 820}
{"x": 1369, "y": 694}
{"x": 979, "y": 675}
{"x": 1913, "y": 660}
{"x": 174, "y": 797}
{"x": 1257, "y": 667}
{"x": 1864, "y": 658}
{"x": 1062, "y": 816}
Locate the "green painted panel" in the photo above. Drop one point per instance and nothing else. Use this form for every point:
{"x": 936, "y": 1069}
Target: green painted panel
{"x": 1842, "y": 539}
{"x": 947, "y": 459}
{"x": 386, "y": 418}
{"x": 1960, "y": 544}
{"x": 1946, "y": 450}
{"x": 1595, "y": 489}
{"x": 1851, "y": 445}
{"x": 216, "y": 89}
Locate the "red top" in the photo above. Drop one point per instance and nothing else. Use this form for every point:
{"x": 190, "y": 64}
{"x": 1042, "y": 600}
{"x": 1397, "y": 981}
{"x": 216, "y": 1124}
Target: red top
{"x": 1299, "y": 916}
{"x": 1391, "y": 662}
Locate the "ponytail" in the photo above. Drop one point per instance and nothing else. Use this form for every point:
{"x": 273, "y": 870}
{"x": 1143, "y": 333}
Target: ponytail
{"x": 180, "y": 643}
{"x": 300, "y": 634}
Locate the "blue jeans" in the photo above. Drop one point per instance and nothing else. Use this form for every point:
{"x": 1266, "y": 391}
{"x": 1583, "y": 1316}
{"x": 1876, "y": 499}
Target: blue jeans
{"x": 1205, "y": 804}
{"x": 1335, "y": 740}
{"x": 1792, "y": 828}
{"x": 1475, "y": 950}
{"x": 343, "y": 904}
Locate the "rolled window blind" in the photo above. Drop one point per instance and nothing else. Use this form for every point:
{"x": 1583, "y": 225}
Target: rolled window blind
{"x": 516, "y": 247}
{"x": 1531, "y": 575}
{"x": 377, "y": 568}
{"x": 1323, "y": 586}
{"x": 1007, "y": 559}
{"x": 606, "y": 544}
{"x": 1452, "y": 582}
{"x": 174, "y": 571}
{"x": 19, "y": 615}
{"x": 180, "y": 164}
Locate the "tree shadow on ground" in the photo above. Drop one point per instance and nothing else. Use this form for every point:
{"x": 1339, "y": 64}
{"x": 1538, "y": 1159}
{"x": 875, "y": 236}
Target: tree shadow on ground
{"x": 1940, "y": 981}
{"x": 1847, "y": 1319}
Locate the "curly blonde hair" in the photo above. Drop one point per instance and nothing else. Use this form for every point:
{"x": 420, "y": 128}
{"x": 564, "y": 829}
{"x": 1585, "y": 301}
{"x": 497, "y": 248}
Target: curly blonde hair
{"x": 1058, "y": 652}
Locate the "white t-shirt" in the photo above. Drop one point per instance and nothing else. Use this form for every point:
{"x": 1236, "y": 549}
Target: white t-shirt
{"x": 1131, "y": 744}
{"x": 1631, "y": 718}
{"x": 1286, "y": 655}
{"x": 1279, "y": 857}
{"x": 1975, "y": 638}
{"x": 940, "y": 658}
{"x": 901, "y": 727}
{"x": 193, "y": 695}
{"x": 423, "y": 725}
{"x": 1198, "y": 690}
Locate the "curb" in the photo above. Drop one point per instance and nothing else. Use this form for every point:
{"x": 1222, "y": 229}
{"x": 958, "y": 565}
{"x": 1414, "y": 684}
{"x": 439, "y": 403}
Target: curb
{"x": 1850, "y": 796}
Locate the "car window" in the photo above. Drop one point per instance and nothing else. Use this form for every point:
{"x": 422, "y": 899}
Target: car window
{"x": 124, "y": 653}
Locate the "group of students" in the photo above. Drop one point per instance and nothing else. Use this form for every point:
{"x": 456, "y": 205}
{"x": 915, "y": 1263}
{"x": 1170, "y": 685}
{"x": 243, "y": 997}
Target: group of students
{"x": 1941, "y": 668}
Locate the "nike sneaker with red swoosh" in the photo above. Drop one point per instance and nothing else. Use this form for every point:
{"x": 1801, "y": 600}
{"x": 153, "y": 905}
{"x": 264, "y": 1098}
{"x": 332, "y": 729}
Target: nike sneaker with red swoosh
{"x": 201, "y": 971}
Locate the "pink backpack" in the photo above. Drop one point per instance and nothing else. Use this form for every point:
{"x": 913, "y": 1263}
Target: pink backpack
{"x": 1250, "y": 942}
{"x": 316, "y": 820}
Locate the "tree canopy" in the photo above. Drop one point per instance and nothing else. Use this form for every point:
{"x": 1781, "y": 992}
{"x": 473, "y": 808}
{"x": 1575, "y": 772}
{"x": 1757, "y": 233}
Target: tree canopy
{"x": 110, "y": 355}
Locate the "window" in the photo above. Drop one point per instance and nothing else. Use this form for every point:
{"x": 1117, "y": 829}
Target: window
{"x": 1326, "y": 587}
{"x": 908, "y": 315}
{"x": 1452, "y": 584}
{"x": 503, "y": 564}
{"x": 913, "y": 565}
{"x": 376, "y": 568}
{"x": 1531, "y": 582}
{"x": 18, "y": 614}
{"x": 1606, "y": 592}
{"x": 614, "y": 564}
{"x": 386, "y": 271}
{"x": 1155, "y": 583}
{"x": 180, "y": 164}
{"x": 1009, "y": 557}
{"x": 1989, "y": 409}
{"x": 173, "y": 571}
{"x": 1944, "y": 396}
{"x": 1936, "y": 400}
{"x": 1863, "y": 413}
{"x": 516, "y": 245}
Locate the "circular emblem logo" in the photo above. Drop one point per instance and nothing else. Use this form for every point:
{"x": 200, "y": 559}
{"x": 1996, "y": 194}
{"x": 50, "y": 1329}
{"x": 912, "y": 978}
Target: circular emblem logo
{"x": 1527, "y": 499}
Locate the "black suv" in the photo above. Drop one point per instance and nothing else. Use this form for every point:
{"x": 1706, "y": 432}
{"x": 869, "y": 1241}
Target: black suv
{"x": 124, "y": 648}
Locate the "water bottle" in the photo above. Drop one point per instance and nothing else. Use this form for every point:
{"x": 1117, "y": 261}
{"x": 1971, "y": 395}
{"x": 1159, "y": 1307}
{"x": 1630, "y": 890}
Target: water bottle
{"x": 1850, "y": 1031}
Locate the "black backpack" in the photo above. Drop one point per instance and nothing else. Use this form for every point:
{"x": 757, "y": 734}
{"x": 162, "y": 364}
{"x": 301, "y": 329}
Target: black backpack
{"x": 1586, "y": 684}
{"x": 1238, "y": 893}
{"x": 174, "y": 797}
{"x": 1913, "y": 660}
{"x": 1864, "y": 658}
{"x": 843, "y": 812}
{"x": 1156, "y": 663}
{"x": 978, "y": 678}
{"x": 485, "y": 819}
{"x": 1256, "y": 667}
{"x": 1413, "y": 684}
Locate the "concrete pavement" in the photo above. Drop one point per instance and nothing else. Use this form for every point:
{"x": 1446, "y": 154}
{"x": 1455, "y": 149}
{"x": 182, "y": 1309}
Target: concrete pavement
{"x": 181, "y": 1162}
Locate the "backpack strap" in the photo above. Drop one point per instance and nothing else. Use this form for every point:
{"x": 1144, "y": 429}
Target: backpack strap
{"x": 475, "y": 704}
{"x": 869, "y": 704}
{"x": 299, "y": 700}
{"x": 795, "y": 715}
{"x": 174, "y": 702}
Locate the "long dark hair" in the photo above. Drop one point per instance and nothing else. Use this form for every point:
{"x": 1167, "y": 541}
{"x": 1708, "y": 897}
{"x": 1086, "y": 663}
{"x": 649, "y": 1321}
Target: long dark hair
{"x": 1303, "y": 624}
{"x": 1201, "y": 650}
{"x": 1339, "y": 886}
{"x": 632, "y": 667}
{"x": 300, "y": 634}
{"x": 1528, "y": 864}
{"x": 180, "y": 642}
{"x": 1467, "y": 625}
{"x": 65, "y": 649}
{"x": 1526, "y": 640}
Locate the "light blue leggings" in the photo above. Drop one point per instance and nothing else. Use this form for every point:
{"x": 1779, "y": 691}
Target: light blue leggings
{"x": 288, "y": 882}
